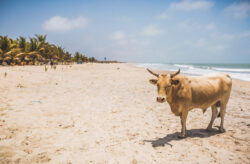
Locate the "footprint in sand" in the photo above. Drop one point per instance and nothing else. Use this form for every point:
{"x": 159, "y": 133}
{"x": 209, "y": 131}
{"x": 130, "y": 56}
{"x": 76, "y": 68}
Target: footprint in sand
{"x": 41, "y": 157}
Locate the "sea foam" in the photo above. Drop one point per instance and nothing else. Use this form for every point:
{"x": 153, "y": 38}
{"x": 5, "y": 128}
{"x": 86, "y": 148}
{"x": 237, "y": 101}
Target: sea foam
{"x": 236, "y": 71}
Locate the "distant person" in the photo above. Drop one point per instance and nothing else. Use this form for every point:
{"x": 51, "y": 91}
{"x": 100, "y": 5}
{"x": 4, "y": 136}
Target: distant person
{"x": 51, "y": 62}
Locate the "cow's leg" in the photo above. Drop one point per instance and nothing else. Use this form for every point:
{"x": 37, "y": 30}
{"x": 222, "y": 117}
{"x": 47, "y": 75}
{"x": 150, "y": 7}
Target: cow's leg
{"x": 214, "y": 114}
{"x": 183, "y": 118}
{"x": 222, "y": 115}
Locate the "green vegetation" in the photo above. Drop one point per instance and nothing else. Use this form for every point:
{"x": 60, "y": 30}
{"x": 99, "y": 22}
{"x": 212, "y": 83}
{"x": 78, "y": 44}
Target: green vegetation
{"x": 36, "y": 51}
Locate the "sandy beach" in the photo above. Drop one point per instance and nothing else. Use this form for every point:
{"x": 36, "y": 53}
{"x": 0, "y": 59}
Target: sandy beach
{"x": 107, "y": 113}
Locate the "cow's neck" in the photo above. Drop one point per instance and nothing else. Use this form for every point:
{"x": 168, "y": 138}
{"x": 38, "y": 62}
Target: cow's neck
{"x": 170, "y": 95}
{"x": 171, "y": 98}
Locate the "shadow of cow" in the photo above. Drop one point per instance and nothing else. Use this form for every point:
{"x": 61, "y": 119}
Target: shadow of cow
{"x": 194, "y": 133}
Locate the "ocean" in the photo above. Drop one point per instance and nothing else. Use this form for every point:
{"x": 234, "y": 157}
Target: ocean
{"x": 236, "y": 71}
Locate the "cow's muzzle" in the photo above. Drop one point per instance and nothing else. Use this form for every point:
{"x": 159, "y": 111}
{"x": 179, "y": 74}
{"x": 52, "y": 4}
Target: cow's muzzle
{"x": 160, "y": 99}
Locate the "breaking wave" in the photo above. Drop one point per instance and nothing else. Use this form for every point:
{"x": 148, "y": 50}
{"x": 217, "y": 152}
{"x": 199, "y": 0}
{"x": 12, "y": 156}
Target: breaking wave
{"x": 236, "y": 71}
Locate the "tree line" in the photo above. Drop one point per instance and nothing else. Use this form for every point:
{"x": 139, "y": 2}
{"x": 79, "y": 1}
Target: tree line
{"x": 36, "y": 51}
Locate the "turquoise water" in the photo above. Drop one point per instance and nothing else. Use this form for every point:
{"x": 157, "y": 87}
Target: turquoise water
{"x": 236, "y": 71}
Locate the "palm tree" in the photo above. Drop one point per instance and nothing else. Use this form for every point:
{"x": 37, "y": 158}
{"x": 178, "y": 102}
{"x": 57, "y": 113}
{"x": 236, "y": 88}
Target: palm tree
{"x": 4, "y": 43}
{"x": 4, "y": 46}
{"x": 92, "y": 59}
{"x": 41, "y": 38}
{"x": 60, "y": 53}
{"x": 34, "y": 51}
{"x": 9, "y": 48}
{"x": 77, "y": 56}
{"x": 22, "y": 43}
{"x": 1, "y": 55}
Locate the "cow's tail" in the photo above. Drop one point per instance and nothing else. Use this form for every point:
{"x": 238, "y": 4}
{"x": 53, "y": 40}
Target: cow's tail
{"x": 218, "y": 114}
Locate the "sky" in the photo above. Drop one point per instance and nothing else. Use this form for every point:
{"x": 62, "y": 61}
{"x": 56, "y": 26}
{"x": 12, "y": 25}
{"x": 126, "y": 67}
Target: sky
{"x": 138, "y": 31}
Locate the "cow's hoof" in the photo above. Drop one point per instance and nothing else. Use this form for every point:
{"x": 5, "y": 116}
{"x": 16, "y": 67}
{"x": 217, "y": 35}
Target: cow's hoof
{"x": 222, "y": 130}
{"x": 182, "y": 136}
{"x": 209, "y": 129}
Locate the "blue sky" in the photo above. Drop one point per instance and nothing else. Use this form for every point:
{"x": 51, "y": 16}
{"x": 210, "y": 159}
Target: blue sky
{"x": 178, "y": 31}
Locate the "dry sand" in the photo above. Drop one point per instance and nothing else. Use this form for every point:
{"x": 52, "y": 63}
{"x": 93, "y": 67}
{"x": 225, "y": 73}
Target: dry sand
{"x": 107, "y": 113}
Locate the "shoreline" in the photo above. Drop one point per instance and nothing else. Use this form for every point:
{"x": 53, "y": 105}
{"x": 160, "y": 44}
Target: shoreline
{"x": 189, "y": 69}
{"x": 167, "y": 71}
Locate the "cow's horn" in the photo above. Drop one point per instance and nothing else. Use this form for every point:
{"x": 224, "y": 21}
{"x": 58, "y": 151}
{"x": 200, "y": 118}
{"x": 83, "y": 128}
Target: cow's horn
{"x": 176, "y": 73}
{"x": 157, "y": 75}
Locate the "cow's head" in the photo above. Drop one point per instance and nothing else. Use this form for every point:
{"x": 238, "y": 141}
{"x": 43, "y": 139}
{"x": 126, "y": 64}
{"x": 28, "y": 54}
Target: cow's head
{"x": 164, "y": 84}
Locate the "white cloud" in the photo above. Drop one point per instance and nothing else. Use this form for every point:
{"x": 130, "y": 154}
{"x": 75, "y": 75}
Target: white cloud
{"x": 238, "y": 10}
{"x": 206, "y": 45}
{"x": 151, "y": 30}
{"x": 126, "y": 42}
{"x": 210, "y": 26}
{"x": 241, "y": 35}
{"x": 62, "y": 24}
{"x": 245, "y": 34}
{"x": 122, "y": 39}
{"x": 163, "y": 15}
{"x": 188, "y": 5}
{"x": 189, "y": 25}
{"x": 199, "y": 43}
{"x": 228, "y": 36}
{"x": 118, "y": 35}
{"x": 126, "y": 19}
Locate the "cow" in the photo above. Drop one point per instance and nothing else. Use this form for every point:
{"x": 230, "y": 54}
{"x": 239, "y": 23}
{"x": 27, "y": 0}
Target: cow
{"x": 184, "y": 93}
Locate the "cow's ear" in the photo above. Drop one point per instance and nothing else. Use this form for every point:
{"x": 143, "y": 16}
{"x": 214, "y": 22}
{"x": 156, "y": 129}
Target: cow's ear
{"x": 153, "y": 81}
{"x": 174, "y": 82}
